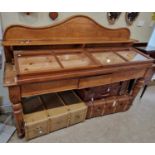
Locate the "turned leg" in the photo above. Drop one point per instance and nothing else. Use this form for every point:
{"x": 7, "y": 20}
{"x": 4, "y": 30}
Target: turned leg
{"x": 15, "y": 98}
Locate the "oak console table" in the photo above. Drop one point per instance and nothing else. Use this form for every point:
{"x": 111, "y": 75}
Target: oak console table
{"x": 74, "y": 54}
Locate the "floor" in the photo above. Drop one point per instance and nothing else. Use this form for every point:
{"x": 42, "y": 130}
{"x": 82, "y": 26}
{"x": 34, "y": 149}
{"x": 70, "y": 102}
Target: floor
{"x": 135, "y": 125}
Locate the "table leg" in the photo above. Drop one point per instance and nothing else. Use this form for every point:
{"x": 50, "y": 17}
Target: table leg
{"x": 137, "y": 87}
{"x": 144, "y": 89}
{"x": 15, "y": 98}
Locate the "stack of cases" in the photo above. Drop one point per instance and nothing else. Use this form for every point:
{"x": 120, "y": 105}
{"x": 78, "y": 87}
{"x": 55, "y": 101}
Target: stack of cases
{"x": 120, "y": 88}
{"x": 107, "y": 99}
{"x": 51, "y": 112}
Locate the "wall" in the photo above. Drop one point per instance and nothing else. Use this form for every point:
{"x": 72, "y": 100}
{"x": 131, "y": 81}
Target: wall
{"x": 42, "y": 19}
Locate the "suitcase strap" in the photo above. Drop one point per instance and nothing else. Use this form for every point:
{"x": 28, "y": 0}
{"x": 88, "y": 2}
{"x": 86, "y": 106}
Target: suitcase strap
{"x": 69, "y": 118}
{"x": 91, "y": 109}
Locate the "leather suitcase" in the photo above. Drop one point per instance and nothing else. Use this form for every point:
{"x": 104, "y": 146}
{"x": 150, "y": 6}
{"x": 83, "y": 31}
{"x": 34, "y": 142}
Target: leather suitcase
{"x": 110, "y": 105}
{"x": 124, "y": 87}
{"x": 35, "y": 118}
{"x": 89, "y": 109}
{"x": 76, "y": 107}
{"x": 101, "y": 107}
{"x": 57, "y": 111}
{"x": 123, "y": 103}
{"x": 99, "y": 92}
{"x": 95, "y": 108}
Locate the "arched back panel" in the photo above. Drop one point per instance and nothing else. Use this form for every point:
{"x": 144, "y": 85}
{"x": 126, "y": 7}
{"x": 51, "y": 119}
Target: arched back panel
{"x": 75, "y": 29}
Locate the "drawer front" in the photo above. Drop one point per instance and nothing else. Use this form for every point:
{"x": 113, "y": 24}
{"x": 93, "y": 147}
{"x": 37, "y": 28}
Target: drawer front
{"x": 58, "y": 122}
{"x": 48, "y": 87}
{"x": 38, "y": 129}
{"x": 94, "y": 81}
{"x": 110, "y": 78}
{"x": 127, "y": 75}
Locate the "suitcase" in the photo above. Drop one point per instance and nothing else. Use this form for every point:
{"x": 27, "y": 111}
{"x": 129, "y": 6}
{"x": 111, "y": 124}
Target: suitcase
{"x": 123, "y": 103}
{"x": 95, "y": 108}
{"x": 57, "y": 112}
{"x": 89, "y": 109}
{"x": 76, "y": 107}
{"x": 35, "y": 118}
{"x": 99, "y": 92}
{"x": 124, "y": 87}
{"x": 101, "y": 107}
{"x": 32, "y": 104}
{"x": 108, "y": 105}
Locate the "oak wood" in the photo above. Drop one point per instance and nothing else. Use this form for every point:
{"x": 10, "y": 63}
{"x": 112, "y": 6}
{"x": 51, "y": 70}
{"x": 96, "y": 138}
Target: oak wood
{"x": 79, "y": 34}
{"x": 87, "y": 28}
{"x": 48, "y": 87}
{"x": 96, "y": 72}
{"x": 9, "y": 78}
{"x": 15, "y": 98}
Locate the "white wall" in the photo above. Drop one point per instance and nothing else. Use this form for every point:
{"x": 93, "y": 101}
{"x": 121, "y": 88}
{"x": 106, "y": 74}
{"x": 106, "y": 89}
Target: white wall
{"x": 3, "y": 91}
{"x": 41, "y": 19}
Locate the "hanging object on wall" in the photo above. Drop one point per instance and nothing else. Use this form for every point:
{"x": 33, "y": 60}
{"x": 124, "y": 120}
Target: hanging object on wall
{"x": 130, "y": 17}
{"x": 28, "y": 13}
{"x": 28, "y": 17}
{"x": 53, "y": 15}
{"x": 153, "y": 16}
{"x": 112, "y": 17}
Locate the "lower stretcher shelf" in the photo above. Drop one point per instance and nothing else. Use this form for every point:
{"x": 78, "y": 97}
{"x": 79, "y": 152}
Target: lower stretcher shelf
{"x": 57, "y": 111}
{"x": 47, "y": 113}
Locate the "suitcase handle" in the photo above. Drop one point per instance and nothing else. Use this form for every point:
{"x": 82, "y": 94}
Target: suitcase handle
{"x": 105, "y": 95}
